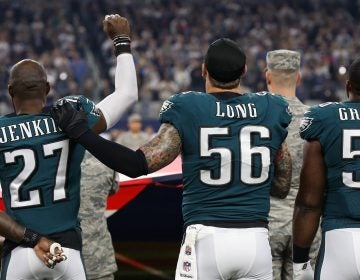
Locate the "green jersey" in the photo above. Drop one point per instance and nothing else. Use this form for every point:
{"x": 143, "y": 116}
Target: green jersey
{"x": 229, "y": 142}
{"x": 40, "y": 170}
{"x": 337, "y": 127}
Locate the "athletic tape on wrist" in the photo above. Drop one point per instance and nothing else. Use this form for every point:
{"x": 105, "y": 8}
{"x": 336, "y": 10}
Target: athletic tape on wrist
{"x": 122, "y": 44}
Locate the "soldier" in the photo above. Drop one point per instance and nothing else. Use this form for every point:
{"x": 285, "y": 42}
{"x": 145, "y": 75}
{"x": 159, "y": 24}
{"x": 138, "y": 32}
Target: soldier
{"x": 97, "y": 182}
{"x": 135, "y": 137}
{"x": 282, "y": 77}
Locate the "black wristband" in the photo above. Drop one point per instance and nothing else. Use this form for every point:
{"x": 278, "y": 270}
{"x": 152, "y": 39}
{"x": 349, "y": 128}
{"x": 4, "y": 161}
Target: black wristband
{"x": 300, "y": 255}
{"x": 122, "y": 44}
{"x": 30, "y": 239}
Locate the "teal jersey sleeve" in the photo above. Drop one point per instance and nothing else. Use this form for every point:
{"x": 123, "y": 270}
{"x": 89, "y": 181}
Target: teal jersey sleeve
{"x": 310, "y": 125}
{"x": 80, "y": 101}
{"x": 172, "y": 111}
{"x": 286, "y": 116}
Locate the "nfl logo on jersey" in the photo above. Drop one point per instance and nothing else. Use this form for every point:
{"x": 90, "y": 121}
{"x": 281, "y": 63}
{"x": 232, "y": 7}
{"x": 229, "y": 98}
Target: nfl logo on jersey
{"x": 187, "y": 266}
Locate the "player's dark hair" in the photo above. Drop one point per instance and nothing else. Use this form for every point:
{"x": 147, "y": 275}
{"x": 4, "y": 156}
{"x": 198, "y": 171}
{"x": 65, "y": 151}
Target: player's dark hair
{"x": 354, "y": 76}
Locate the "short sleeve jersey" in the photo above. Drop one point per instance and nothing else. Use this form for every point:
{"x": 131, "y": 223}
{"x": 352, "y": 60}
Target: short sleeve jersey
{"x": 337, "y": 127}
{"x": 40, "y": 169}
{"x": 229, "y": 142}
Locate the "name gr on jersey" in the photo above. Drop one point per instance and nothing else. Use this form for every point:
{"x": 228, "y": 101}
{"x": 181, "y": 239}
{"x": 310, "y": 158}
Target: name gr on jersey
{"x": 348, "y": 114}
{"x": 239, "y": 111}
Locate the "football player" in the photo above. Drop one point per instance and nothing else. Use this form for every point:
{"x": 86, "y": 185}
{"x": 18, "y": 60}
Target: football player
{"x": 228, "y": 142}
{"x": 330, "y": 187}
{"x": 40, "y": 165}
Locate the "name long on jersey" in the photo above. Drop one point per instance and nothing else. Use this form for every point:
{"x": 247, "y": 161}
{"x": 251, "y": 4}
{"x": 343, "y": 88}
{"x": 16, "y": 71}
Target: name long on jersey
{"x": 229, "y": 142}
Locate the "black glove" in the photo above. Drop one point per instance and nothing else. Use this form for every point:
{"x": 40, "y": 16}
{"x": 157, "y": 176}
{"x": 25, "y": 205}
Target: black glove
{"x": 70, "y": 120}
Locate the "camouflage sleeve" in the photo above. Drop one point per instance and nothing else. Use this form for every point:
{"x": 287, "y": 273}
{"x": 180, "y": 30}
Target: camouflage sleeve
{"x": 310, "y": 125}
{"x": 97, "y": 181}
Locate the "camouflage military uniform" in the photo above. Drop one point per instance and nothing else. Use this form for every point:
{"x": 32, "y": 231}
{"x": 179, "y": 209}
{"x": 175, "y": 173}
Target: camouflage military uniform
{"x": 97, "y": 181}
{"x": 133, "y": 141}
{"x": 130, "y": 138}
{"x": 281, "y": 210}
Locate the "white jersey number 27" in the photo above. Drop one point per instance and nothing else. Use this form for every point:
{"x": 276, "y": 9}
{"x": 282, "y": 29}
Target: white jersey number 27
{"x": 29, "y": 167}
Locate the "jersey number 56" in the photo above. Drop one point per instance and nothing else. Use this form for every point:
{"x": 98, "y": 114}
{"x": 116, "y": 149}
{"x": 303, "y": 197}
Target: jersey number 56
{"x": 247, "y": 153}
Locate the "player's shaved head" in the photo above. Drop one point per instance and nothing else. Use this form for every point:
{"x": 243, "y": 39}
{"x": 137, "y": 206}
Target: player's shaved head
{"x": 28, "y": 80}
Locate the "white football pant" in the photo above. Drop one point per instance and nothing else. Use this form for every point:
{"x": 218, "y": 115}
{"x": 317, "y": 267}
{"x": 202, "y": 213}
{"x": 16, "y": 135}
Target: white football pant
{"x": 23, "y": 264}
{"x": 226, "y": 254}
{"x": 339, "y": 255}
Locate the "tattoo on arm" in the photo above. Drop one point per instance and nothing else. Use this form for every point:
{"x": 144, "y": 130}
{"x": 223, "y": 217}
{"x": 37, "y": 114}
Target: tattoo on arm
{"x": 163, "y": 148}
{"x": 283, "y": 171}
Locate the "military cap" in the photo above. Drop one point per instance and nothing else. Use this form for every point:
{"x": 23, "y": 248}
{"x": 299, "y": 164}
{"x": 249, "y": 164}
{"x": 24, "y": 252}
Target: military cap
{"x": 283, "y": 60}
{"x": 134, "y": 118}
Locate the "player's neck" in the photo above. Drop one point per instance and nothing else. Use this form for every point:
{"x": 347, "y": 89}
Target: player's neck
{"x": 284, "y": 91}
{"x": 29, "y": 107}
{"x": 354, "y": 97}
{"x": 212, "y": 89}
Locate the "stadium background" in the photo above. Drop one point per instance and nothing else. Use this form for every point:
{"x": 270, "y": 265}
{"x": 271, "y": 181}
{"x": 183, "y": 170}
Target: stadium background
{"x": 169, "y": 39}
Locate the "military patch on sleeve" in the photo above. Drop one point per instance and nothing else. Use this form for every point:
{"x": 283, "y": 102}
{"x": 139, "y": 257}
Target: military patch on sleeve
{"x": 166, "y": 106}
{"x": 305, "y": 123}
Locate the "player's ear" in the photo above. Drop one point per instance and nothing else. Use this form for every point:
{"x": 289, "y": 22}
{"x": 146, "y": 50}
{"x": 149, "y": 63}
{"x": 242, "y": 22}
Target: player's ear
{"x": 268, "y": 77}
{"x": 203, "y": 71}
{"x": 47, "y": 88}
{"x": 245, "y": 70}
{"x": 10, "y": 90}
{"x": 348, "y": 88}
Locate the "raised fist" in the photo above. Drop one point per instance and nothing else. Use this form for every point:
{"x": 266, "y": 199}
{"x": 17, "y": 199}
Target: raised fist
{"x": 116, "y": 25}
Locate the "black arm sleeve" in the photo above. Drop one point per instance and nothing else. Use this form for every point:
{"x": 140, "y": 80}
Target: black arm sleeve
{"x": 117, "y": 157}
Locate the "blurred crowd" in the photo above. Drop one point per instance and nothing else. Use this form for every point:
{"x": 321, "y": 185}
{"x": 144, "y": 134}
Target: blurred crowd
{"x": 48, "y": 32}
{"x": 169, "y": 39}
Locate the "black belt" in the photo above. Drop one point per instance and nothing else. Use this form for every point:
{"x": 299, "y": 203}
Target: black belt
{"x": 232, "y": 224}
